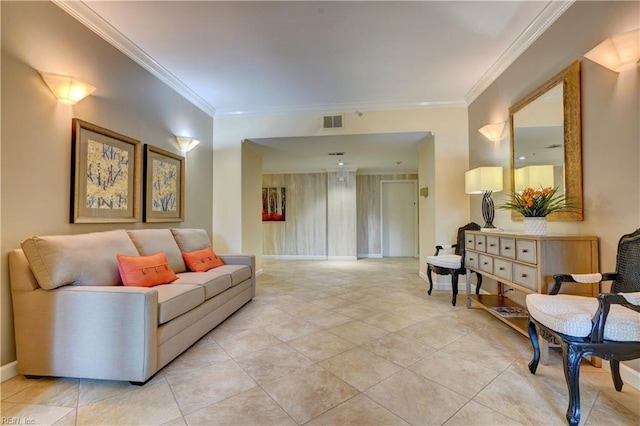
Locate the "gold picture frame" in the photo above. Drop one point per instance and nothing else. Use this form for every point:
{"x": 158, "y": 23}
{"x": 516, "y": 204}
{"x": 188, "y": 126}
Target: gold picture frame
{"x": 105, "y": 175}
{"x": 163, "y": 185}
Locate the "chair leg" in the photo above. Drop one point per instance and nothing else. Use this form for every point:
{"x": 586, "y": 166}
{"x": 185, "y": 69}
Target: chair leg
{"x": 615, "y": 374}
{"x": 454, "y": 287}
{"x": 571, "y": 359}
{"x": 533, "y": 336}
{"x": 429, "y": 270}
{"x": 479, "y": 282}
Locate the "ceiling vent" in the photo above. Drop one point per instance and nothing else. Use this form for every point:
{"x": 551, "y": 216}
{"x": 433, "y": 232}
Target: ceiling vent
{"x": 333, "y": 121}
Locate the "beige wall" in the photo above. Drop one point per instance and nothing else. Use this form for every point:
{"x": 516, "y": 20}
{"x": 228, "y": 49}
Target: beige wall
{"x": 610, "y": 125}
{"x": 341, "y": 216}
{"x": 447, "y": 158}
{"x": 251, "y": 202}
{"x": 36, "y": 129}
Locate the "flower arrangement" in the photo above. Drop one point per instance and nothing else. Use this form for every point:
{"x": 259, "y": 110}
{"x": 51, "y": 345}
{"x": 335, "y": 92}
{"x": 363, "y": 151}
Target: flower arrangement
{"x": 536, "y": 202}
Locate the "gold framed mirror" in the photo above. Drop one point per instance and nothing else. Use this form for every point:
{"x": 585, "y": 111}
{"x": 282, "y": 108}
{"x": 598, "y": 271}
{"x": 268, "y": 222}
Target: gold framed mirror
{"x": 546, "y": 141}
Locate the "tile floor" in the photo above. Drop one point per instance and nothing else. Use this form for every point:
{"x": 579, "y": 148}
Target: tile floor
{"x": 337, "y": 343}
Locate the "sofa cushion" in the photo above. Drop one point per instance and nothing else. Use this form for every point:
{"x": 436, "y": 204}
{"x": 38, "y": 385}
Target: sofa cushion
{"x": 190, "y": 239}
{"x": 214, "y": 281}
{"x": 84, "y": 259}
{"x": 145, "y": 271}
{"x": 175, "y": 300}
{"x": 202, "y": 260}
{"x": 150, "y": 241}
{"x": 239, "y": 273}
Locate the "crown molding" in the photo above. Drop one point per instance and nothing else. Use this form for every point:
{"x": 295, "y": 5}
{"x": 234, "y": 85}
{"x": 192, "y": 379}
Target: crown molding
{"x": 85, "y": 15}
{"x": 552, "y": 11}
{"x": 345, "y": 107}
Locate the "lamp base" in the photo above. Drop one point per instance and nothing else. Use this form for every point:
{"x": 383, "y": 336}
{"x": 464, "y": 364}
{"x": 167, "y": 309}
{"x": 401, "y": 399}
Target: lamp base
{"x": 488, "y": 210}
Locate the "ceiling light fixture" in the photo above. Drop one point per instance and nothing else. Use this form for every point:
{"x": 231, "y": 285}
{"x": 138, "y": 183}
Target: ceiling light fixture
{"x": 186, "y": 144}
{"x": 493, "y": 132}
{"x": 617, "y": 51}
{"x": 67, "y": 89}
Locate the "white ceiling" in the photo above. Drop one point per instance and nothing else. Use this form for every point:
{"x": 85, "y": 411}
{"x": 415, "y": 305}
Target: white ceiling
{"x": 269, "y": 56}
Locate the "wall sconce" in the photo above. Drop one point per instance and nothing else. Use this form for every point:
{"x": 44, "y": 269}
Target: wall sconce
{"x": 186, "y": 144}
{"x": 493, "y": 132}
{"x": 484, "y": 180}
{"x": 617, "y": 51}
{"x": 67, "y": 89}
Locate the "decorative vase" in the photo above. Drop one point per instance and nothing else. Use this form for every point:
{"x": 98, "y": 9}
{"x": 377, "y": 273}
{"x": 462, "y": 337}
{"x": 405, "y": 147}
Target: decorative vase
{"x": 535, "y": 225}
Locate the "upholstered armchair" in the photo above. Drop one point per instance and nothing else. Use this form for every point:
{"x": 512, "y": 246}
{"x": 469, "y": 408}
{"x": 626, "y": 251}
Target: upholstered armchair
{"x": 607, "y": 326}
{"x": 453, "y": 263}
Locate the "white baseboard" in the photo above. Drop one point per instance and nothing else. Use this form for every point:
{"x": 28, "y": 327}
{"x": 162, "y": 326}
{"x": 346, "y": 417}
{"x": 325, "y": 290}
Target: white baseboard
{"x": 370, "y": 255}
{"x": 9, "y": 371}
{"x": 292, "y": 257}
{"x": 340, "y": 258}
{"x": 628, "y": 375}
{"x": 259, "y": 272}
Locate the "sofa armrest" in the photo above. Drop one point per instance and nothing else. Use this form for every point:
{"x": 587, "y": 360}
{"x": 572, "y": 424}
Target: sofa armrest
{"x": 102, "y": 332}
{"x": 242, "y": 259}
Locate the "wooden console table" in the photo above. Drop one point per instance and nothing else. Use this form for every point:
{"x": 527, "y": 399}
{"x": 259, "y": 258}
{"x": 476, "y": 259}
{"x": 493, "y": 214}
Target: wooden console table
{"x": 527, "y": 263}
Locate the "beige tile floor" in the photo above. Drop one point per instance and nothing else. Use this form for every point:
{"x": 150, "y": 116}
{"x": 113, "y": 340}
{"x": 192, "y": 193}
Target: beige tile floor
{"x": 338, "y": 343}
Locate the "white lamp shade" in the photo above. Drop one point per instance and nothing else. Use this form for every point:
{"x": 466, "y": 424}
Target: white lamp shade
{"x": 483, "y": 179}
{"x": 617, "y": 51}
{"x": 67, "y": 89}
{"x": 534, "y": 177}
{"x": 493, "y": 132}
{"x": 186, "y": 144}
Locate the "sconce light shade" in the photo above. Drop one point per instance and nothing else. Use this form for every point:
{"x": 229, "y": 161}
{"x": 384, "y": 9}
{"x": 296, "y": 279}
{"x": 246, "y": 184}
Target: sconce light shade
{"x": 617, "y": 51}
{"x": 67, "y": 89}
{"x": 186, "y": 144}
{"x": 493, "y": 132}
{"x": 484, "y": 180}
{"x": 534, "y": 177}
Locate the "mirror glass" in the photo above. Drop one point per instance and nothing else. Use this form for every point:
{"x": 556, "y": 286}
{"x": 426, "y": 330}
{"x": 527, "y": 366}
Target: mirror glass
{"x": 546, "y": 142}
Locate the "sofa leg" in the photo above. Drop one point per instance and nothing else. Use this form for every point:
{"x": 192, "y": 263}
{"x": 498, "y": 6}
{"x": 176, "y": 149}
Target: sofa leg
{"x": 142, "y": 383}
{"x": 32, "y": 377}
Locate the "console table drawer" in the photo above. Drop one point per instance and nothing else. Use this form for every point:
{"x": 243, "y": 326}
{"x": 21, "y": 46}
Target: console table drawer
{"x": 525, "y": 276}
{"x": 486, "y": 263}
{"x": 493, "y": 245}
{"x": 470, "y": 239}
{"x": 526, "y": 251}
{"x": 471, "y": 260}
{"x": 481, "y": 243}
{"x": 508, "y": 247}
{"x": 502, "y": 269}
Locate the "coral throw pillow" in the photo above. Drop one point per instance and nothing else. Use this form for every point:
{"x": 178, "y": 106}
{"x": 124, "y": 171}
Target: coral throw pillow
{"x": 202, "y": 260}
{"x": 145, "y": 271}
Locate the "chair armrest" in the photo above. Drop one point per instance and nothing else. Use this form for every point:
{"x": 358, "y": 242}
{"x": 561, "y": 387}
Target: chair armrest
{"x": 446, "y": 246}
{"x": 580, "y": 279}
{"x": 605, "y": 300}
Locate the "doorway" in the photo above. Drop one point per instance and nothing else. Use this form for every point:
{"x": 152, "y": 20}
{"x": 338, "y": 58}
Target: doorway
{"x": 399, "y": 211}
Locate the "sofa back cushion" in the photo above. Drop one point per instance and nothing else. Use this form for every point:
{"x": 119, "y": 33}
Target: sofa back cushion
{"x": 190, "y": 239}
{"x": 83, "y": 259}
{"x": 150, "y": 241}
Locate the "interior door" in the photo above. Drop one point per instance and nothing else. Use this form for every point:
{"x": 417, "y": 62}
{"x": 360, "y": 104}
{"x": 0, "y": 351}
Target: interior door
{"x": 399, "y": 218}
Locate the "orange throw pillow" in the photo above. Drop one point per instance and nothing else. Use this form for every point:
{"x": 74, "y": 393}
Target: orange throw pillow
{"x": 145, "y": 271}
{"x": 202, "y": 260}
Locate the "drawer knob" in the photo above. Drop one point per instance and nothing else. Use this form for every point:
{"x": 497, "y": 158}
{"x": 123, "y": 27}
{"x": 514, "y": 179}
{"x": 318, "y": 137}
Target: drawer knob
{"x": 485, "y": 263}
{"x": 525, "y": 251}
{"x": 471, "y": 258}
{"x": 501, "y": 268}
{"x": 524, "y": 275}
{"x": 492, "y": 245}
{"x": 507, "y": 247}
{"x": 479, "y": 243}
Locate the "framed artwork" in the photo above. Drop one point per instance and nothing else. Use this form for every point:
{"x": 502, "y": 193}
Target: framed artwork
{"x": 273, "y": 204}
{"x": 105, "y": 175}
{"x": 163, "y": 185}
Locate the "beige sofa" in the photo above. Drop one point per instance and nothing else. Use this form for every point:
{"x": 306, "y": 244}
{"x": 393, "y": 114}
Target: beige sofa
{"x": 74, "y": 318}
